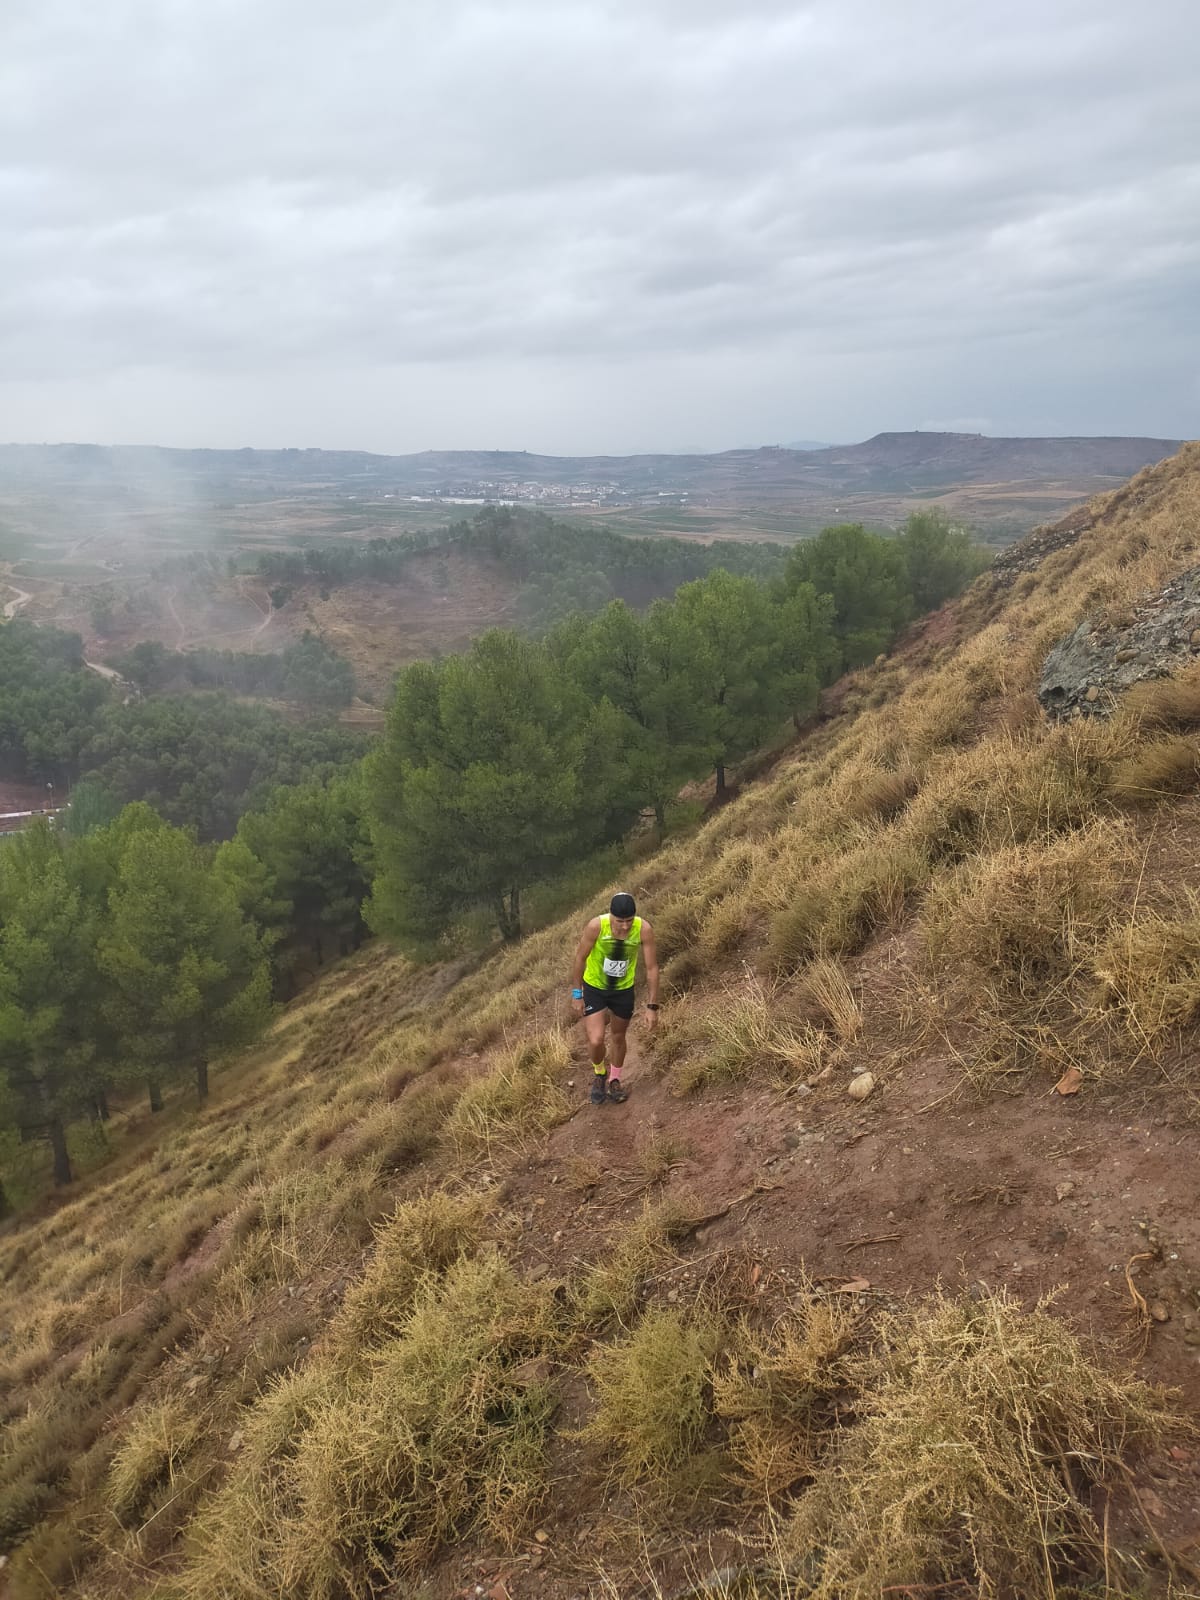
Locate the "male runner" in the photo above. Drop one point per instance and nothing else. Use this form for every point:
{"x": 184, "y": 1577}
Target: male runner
{"x": 602, "y": 979}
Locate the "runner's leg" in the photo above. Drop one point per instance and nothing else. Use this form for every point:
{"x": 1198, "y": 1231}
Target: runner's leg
{"x": 617, "y": 1046}
{"x": 594, "y": 1027}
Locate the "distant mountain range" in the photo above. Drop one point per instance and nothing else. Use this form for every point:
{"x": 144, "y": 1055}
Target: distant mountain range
{"x": 903, "y": 463}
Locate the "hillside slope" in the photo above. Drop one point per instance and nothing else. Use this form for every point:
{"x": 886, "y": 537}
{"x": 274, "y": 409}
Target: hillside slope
{"x": 745, "y": 1323}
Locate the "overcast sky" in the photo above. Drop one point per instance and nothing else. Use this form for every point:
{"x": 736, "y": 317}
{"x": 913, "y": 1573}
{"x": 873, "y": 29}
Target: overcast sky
{"x": 596, "y": 225}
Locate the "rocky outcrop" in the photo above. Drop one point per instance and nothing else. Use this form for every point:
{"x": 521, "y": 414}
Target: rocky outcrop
{"x": 1028, "y": 553}
{"x": 1086, "y": 671}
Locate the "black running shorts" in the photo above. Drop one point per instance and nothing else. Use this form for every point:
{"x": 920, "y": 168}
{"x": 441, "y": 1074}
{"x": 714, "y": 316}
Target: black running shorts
{"x": 618, "y": 1001}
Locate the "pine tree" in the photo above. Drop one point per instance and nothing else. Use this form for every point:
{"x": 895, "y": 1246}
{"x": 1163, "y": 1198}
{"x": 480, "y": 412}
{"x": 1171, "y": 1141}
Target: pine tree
{"x": 485, "y": 781}
{"x": 187, "y": 975}
{"x": 752, "y": 661}
{"x": 49, "y": 991}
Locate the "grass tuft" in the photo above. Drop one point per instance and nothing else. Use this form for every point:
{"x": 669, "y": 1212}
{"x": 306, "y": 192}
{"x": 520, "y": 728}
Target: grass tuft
{"x": 741, "y": 1033}
{"x": 1026, "y": 915}
{"x": 1149, "y": 971}
{"x": 775, "y": 1390}
{"x": 518, "y": 1099}
{"x": 613, "y": 1286}
{"x": 1155, "y": 771}
{"x": 983, "y": 1429}
{"x": 654, "y": 1399}
{"x": 444, "y": 1438}
{"x": 154, "y": 1446}
{"x": 424, "y": 1236}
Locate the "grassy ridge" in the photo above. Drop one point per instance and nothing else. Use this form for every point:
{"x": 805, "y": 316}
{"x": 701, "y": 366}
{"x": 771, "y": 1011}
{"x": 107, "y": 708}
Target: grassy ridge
{"x": 289, "y": 1347}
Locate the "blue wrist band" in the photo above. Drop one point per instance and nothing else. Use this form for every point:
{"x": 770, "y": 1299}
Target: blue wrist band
{"x": 576, "y": 994}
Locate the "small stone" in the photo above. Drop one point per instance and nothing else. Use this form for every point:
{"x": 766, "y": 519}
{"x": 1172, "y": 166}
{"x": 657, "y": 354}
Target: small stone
{"x": 861, "y": 1086}
{"x": 235, "y": 1442}
{"x": 1125, "y": 655}
{"x": 1092, "y": 695}
{"x": 1062, "y": 1190}
{"x": 542, "y": 1536}
{"x": 1159, "y": 1311}
{"x": 535, "y": 1370}
{"x": 1195, "y": 639}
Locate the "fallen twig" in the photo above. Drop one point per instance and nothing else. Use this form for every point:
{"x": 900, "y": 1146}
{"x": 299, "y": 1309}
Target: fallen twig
{"x": 879, "y": 1238}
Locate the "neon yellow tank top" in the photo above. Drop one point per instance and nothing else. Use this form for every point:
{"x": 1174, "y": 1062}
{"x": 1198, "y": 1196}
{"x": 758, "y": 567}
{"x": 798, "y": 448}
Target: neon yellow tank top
{"x": 612, "y": 963}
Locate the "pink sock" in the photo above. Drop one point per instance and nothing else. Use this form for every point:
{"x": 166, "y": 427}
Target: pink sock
{"x": 614, "y": 1074}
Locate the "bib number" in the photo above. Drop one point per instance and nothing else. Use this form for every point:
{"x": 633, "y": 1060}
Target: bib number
{"x": 614, "y": 969}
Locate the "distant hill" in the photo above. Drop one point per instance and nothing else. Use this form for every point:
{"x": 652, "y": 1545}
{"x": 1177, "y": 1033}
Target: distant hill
{"x": 888, "y": 463}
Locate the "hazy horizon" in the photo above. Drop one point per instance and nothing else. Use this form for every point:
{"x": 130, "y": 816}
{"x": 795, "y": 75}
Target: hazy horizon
{"x": 470, "y": 449}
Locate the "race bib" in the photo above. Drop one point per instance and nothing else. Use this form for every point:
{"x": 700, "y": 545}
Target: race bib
{"x": 615, "y": 969}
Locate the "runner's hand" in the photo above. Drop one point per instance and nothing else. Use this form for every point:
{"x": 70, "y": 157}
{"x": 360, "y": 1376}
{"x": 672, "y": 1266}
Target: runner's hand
{"x": 577, "y": 1007}
{"x": 651, "y": 1019}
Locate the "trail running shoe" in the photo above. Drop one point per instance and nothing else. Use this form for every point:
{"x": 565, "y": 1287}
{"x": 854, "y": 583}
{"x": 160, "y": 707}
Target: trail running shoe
{"x": 599, "y": 1082}
{"x": 617, "y": 1091}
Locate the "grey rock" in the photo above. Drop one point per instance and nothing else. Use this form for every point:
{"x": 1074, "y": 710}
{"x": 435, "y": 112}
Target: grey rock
{"x": 1086, "y": 672}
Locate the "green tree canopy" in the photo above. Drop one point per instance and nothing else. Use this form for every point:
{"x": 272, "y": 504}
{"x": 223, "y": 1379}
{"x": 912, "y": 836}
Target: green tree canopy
{"x": 49, "y": 990}
{"x": 307, "y": 876}
{"x": 940, "y": 558}
{"x": 753, "y": 659}
{"x": 866, "y": 577}
{"x": 187, "y": 975}
{"x": 487, "y": 779}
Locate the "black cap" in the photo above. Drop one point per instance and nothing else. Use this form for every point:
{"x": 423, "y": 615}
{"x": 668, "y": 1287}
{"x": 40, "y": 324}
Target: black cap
{"x": 623, "y": 905}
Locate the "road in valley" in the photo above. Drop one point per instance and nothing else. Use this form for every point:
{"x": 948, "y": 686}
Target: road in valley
{"x": 13, "y": 606}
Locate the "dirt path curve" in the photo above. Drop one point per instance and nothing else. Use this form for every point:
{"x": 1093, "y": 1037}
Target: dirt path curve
{"x": 176, "y": 619}
{"x": 105, "y": 672}
{"x": 13, "y": 606}
{"x": 267, "y": 614}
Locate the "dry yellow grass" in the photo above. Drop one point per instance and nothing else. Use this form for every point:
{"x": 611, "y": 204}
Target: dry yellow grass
{"x": 943, "y": 800}
{"x": 981, "y": 1429}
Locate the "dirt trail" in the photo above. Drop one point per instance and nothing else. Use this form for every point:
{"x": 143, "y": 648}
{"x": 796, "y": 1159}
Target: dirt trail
{"x": 267, "y": 614}
{"x": 177, "y": 619}
{"x": 105, "y": 672}
{"x": 13, "y": 606}
{"x": 1088, "y": 1198}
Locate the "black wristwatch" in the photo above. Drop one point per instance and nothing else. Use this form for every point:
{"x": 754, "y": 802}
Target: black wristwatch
{"x": 651, "y": 1005}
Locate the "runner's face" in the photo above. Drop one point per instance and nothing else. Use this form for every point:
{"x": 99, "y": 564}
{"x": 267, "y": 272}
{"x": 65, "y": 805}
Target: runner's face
{"x": 621, "y": 927}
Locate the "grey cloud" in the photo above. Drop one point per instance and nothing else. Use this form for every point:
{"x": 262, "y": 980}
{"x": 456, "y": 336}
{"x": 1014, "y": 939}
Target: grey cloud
{"x": 510, "y": 196}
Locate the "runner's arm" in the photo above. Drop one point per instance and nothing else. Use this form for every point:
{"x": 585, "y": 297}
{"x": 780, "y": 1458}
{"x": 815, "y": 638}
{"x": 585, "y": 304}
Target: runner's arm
{"x": 582, "y": 950}
{"x": 650, "y": 952}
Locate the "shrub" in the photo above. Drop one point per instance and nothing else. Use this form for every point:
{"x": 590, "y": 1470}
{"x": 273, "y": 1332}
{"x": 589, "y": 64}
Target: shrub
{"x": 445, "y": 1437}
{"x": 775, "y": 1389}
{"x": 654, "y": 1400}
{"x": 982, "y": 1429}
